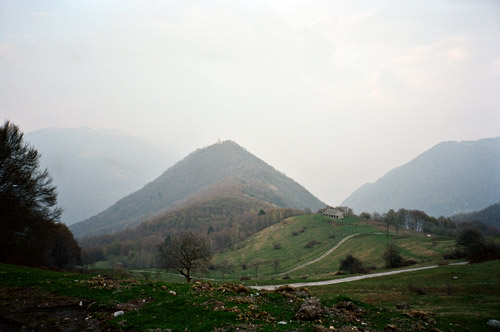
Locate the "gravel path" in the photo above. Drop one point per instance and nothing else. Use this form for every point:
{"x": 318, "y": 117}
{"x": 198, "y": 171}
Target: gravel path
{"x": 349, "y": 279}
{"x": 319, "y": 258}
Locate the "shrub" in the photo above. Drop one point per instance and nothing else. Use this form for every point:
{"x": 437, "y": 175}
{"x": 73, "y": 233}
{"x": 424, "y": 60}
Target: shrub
{"x": 408, "y": 262}
{"x": 471, "y": 242}
{"x": 392, "y": 256}
{"x": 277, "y": 246}
{"x": 365, "y": 215}
{"x": 244, "y": 278}
{"x": 312, "y": 243}
{"x": 352, "y": 265}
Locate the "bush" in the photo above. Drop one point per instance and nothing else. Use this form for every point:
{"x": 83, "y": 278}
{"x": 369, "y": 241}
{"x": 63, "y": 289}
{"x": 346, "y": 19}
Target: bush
{"x": 312, "y": 243}
{"x": 244, "y": 278}
{"x": 392, "y": 256}
{"x": 365, "y": 215}
{"x": 472, "y": 243}
{"x": 408, "y": 262}
{"x": 352, "y": 265}
{"x": 455, "y": 254}
{"x": 277, "y": 246}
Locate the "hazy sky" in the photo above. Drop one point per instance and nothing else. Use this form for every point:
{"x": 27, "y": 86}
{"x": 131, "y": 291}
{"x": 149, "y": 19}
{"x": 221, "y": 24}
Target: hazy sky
{"x": 332, "y": 93}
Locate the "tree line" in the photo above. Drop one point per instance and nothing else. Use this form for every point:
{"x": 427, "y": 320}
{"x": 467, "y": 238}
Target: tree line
{"x": 419, "y": 221}
{"x": 137, "y": 247}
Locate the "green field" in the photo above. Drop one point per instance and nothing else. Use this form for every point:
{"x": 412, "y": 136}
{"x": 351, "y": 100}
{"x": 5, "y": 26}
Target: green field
{"x": 463, "y": 298}
{"x": 446, "y": 298}
{"x": 449, "y": 298}
{"x": 292, "y": 236}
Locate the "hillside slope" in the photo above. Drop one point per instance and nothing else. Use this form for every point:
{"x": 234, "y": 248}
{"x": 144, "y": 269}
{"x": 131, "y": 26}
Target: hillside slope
{"x": 489, "y": 216}
{"x": 218, "y": 168}
{"x": 449, "y": 178}
{"x": 300, "y": 240}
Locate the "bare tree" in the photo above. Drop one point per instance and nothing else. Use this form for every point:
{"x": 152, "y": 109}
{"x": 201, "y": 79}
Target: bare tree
{"x": 389, "y": 219}
{"x": 256, "y": 264}
{"x": 276, "y": 264}
{"x": 185, "y": 253}
{"x": 225, "y": 266}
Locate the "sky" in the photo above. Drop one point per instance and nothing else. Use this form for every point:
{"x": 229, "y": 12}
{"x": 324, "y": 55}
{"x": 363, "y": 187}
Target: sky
{"x": 332, "y": 93}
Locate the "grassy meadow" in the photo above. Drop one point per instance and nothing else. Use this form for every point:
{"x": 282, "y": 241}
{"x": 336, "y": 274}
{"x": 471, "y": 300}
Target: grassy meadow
{"x": 447, "y": 298}
{"x": 300, "y": 239}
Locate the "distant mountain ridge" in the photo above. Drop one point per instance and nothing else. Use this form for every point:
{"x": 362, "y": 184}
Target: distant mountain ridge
{"x": 489, "y": 216}
{"x": 93, "y": 168}
{"x": 225, "y": 169}
{"x": 450, "y": 178}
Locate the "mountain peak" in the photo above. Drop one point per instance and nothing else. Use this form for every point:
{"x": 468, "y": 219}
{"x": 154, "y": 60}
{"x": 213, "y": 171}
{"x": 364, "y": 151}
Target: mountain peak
{"x": 216, "y": 167}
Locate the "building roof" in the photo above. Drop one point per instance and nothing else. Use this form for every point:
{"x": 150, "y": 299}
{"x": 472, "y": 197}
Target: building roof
{"x": 334, "y": 212}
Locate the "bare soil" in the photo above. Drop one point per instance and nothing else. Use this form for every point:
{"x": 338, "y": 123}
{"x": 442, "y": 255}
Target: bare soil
{"x": 32, "y": 309}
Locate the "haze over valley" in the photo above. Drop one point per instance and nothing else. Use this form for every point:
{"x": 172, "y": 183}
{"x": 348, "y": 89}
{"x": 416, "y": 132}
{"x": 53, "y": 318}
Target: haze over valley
{"x": 250, "y": 165}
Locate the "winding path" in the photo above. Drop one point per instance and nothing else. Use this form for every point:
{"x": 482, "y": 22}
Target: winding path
{"x": 349, "y": 279}
{"x": 319, "y": 258}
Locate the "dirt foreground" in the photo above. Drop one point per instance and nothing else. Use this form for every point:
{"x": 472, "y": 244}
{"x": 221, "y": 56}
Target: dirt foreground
{"x": 31, "y": 309}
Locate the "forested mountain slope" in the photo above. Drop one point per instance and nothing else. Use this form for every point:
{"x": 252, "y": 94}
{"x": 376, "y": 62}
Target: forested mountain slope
{"x": 220, "y": 168}
{"x": 489, "y": 216}
{"x": 450, "y": 178}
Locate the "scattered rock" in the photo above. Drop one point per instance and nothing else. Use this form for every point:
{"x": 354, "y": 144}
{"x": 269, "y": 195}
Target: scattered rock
{"x": 242, "y": 299}
{"x": 320, "y": 328}
{"x": 290, "y": 291}
{"x": 203, "y": 287}
{"x": 134, "y": 304}
{"x": 310, "y": 309}
{"x": 347, "y": 311}
{"x": 418, "y": 314}
{"x": 391, "y": 328}
{"x": 173, "y": 293}
{"x": 494, "y": 323}
{"x": 423, "y": 316}
{"x": 347, "y": 305}
{"x": 403, "y": 306}
{"x": 118, "y": 313}
{"x": 107, "y": 282}
{"x": 233, "y": 288}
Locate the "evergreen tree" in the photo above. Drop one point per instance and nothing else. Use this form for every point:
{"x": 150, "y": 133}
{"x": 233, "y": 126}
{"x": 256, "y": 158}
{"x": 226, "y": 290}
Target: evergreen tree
{"x": 28, "y": 209}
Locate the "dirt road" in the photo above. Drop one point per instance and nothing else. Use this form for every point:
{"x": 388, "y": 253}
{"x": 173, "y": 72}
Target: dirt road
{"x": 350, "y": 279}
{"x": 317, "y": 259}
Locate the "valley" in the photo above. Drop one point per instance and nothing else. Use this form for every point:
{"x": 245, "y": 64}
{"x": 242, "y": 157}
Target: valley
{"x": 265, "y": 255}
